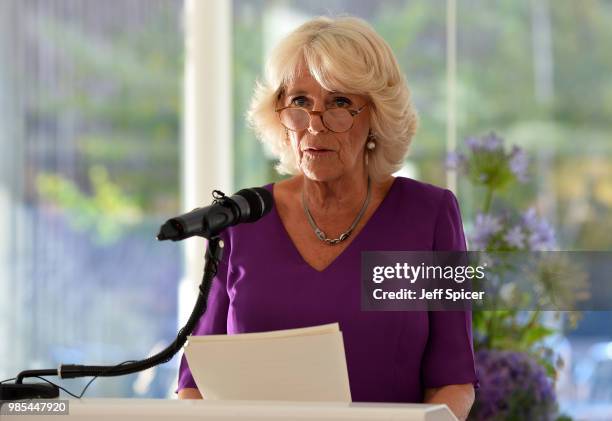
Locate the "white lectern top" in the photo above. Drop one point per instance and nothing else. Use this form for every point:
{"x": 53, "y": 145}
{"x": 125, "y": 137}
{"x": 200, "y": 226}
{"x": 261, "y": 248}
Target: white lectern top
{"x": 209, "y": 410}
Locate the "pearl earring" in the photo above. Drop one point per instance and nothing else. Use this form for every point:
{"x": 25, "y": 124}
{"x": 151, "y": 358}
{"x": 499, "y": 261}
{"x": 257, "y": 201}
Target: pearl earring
{"x": 371, "y": 144}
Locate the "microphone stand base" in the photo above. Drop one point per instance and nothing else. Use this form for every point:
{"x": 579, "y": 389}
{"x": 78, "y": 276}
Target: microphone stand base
{"x": 16, "y": 391}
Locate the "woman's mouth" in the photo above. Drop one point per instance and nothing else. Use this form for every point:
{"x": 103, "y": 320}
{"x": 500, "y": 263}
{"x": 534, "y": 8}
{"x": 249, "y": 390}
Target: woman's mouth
{"x": 317, "y": 151}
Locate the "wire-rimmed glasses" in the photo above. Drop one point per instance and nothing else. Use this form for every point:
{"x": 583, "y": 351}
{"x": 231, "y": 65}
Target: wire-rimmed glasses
{"x": 337, "y": 120}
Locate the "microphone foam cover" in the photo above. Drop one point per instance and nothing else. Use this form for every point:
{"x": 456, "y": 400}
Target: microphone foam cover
{"x": 260, "y": 202}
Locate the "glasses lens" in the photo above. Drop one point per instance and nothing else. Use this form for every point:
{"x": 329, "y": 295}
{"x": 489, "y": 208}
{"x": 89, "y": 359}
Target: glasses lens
{"x": 294, "y": 119}
{"x": 337, "y": 119}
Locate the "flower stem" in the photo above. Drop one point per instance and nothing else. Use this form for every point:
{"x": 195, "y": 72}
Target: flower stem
{"x": 490, "y": 329}
{"x": 488, "y": 200}
{"x": 533, "y": 319}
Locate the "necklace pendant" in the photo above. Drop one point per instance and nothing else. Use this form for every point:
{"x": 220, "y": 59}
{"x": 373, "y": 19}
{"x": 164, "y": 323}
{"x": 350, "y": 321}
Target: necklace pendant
{"x": 340, "y": 239}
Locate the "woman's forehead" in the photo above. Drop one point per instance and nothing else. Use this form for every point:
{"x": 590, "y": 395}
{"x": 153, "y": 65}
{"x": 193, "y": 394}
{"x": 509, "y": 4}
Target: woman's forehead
{"x": 302, "y": 79}
{"x": 306, "y": 84}
{"x": 303, "y": 83}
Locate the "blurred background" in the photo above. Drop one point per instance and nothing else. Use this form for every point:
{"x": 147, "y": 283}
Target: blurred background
{"x": 92, "y": 154}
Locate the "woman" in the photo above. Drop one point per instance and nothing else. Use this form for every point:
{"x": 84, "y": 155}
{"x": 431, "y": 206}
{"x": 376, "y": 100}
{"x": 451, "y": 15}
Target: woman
{"x": 335, "y": 110}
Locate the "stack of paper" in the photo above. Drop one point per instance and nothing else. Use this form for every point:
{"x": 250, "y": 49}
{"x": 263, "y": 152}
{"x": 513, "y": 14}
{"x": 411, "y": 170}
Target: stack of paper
{"x": 306, "y": 364}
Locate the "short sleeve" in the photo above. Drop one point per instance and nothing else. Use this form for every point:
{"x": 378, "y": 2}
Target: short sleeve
{"x": 448, "y": 231}
{"x": 449, "y": 353}
{"x": 213, "y": 321}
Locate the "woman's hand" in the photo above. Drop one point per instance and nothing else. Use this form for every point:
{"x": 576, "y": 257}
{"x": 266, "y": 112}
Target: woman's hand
{"x": 458, "y": 397}
{"x": 189, "y": 393}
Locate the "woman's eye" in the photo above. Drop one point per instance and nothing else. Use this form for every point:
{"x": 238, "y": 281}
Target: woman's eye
{"x": 341, "y": 102}
{"x": 298, "y": 101}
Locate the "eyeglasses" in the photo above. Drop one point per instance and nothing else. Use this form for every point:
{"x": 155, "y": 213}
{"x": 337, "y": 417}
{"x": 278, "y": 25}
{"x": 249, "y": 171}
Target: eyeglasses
{"x": 337, "y": 120}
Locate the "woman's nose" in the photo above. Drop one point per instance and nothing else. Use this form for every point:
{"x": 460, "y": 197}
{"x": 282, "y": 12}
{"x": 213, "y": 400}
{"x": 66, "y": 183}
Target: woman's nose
{"x": 316, "y": 121}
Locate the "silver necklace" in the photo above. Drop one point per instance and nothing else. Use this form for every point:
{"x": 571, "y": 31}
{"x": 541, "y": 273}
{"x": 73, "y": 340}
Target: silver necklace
{"x": 346, "y": 234}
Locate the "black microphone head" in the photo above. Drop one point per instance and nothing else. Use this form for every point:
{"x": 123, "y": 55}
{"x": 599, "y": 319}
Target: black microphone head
{"x": 260, "y": 202}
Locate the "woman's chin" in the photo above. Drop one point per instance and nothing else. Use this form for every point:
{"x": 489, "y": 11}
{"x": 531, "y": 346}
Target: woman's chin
{"x": 321, "y": 172}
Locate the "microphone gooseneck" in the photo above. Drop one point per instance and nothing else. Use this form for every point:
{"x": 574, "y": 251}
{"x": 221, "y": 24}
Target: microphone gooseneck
{"x": 246, "y": 206}
{"x": 68, "y": 371}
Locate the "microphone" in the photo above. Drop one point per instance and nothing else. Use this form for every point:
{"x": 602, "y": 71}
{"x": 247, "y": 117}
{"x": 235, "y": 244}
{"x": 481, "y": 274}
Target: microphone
{"x": 248, "y": 205}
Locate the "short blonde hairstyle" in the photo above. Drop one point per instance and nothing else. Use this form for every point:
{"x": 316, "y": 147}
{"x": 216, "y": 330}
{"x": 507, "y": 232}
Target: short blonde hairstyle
{"x": 344, "y": 54}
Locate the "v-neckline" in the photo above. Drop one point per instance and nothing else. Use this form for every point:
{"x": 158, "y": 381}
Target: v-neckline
{"x": 351, "y": 244}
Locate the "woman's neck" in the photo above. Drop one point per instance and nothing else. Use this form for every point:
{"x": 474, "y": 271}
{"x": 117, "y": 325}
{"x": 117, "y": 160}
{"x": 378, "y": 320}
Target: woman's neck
{"x": 342, "y": 195}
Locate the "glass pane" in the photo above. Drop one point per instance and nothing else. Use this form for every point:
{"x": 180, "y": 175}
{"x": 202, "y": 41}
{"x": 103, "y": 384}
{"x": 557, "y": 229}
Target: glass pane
{"x": 89, "y": 134}
{"x": 538, "y": 74}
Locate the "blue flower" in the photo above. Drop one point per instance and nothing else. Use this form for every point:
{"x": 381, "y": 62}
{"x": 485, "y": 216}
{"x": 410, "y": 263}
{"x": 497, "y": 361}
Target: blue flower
{"x": 473, "y": 143}
{"x": 518, "y": 163}
{"x": 541, "y": 235}
{"x": 515, "y": 237}
{"x": 490, "y": 143}
{"x": 512, "y": 385}
{"x": 485, "y": 227}
{"x": 455, "y": 160}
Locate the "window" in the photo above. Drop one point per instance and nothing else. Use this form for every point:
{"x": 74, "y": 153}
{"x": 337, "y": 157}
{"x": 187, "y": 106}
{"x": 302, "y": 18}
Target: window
{"x": 90, "y": 140}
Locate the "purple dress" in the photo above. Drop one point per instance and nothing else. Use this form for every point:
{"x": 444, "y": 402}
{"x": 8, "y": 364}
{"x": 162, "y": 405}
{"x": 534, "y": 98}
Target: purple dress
{"x": 264, "y": 284}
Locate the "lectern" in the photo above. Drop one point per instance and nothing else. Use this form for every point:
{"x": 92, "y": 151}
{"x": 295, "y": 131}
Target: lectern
{"x": 177, "y": 410}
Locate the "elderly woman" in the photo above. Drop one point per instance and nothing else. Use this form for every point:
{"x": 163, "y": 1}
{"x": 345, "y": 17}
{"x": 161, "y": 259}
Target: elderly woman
{"x": 336, "y": 111}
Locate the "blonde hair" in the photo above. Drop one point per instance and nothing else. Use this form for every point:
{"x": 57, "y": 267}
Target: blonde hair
{"x": 343, "y": 54}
